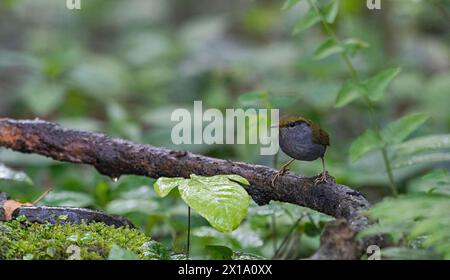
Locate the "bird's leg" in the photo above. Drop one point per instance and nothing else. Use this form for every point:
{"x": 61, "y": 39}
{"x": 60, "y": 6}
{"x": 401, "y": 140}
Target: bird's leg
{"x": 282, "y": 170}
{"x": 323, "y": 178}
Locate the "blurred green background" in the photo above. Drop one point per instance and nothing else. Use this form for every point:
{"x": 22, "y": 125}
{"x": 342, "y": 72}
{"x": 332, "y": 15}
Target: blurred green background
{"x": 121, "y": 67}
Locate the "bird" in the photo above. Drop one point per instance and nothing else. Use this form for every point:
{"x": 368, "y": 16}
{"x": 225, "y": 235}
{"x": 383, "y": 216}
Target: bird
{"x": 304, "y": 140}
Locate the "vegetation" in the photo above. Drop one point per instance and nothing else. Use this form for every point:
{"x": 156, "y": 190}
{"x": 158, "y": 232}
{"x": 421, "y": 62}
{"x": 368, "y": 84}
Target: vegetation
{"x": 378, "y": 81}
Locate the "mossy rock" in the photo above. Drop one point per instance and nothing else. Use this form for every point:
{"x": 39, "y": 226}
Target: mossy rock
{"x": 20, "y": 239}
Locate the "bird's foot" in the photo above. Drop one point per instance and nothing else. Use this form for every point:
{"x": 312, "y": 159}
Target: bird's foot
{"x": 322, "y": 178}
{"x": 278, "y": 174}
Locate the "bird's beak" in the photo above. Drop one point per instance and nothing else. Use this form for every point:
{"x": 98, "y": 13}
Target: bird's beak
{"x": 274, "y": 126}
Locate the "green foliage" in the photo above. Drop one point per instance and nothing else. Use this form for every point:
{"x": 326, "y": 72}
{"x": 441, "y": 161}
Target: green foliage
{"x": 377, "y": 85}
{"x": 421, "y": 150}
{"x": 414, "y": 219}
{"x": 219, "y": 199}
{"x": 331, "y": 46}
{"x": 310, "y": 19}
{"x": 400, "y": 129}
{"x": 349, "y": 92}
{"x": 217, "y": 252}
{"x": 289, "y": 4}
{"x": 24, "y": 240}
{"x": 67, "y": 198}
{"x": 365, "y": 143}
{"x": 393, "y": 133}
{"x": 73, "y": 70}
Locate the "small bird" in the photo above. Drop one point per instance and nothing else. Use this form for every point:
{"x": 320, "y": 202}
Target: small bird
{"x": 304, "y": 140}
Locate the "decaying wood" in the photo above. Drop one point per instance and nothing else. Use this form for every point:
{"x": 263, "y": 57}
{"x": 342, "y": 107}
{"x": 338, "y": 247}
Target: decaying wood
{"x": 116, "y": 157}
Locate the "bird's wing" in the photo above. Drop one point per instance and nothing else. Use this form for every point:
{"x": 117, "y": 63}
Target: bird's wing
{"x": 320, "y": 136}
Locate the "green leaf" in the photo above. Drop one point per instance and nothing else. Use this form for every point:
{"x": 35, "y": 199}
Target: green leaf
{"x": 164, "y": 185}
{"x": 422, "y": 144}
{"x": 363, "y": 144}
{"x": 349, "y": 92}
{"x": 377, "y": 85}
{"x": 289, "y": 4}
{"x": 327, "y": 48}
{"x": 155, "y": 251}
{"x": 400, "y": 129}
{"x": 352, "y": 45}
{"x": 218, "y": 252}
{"x": 127, "y": 206}
{"x": 7, "y": 173}
{"x": 68, "y": 198}
{"x": 420, "y": 159}
{"x": 436, "y": 181}
{"x": 246, "y": 256}
{"x": 419, "y": 220}
{"x": 118, "y": 253}
{"x": 219, "y": 199}
{"x": 307, "y": 21}
{"x": 330, "y": 11}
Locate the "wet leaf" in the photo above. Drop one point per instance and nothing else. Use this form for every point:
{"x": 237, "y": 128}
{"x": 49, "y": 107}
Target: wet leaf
{"x": 365, "y": 143}
{"x": 219, "y": 199}
{"x": 400, "y": 129}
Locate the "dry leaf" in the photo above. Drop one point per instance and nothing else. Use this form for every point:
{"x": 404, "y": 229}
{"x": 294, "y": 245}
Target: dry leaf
{"x": 11, "y": 205}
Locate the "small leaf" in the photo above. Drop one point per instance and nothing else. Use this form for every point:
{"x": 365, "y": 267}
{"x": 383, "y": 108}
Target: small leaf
{"x": 155, "y": 251}
{"x": 330, "y": 11}
{"x": 349, "y": 92}
{"x": 377, "y": 85}
{"x": 118, "y": 253}
{"x": 363, "y": 144}
{"x": 164, "y": 185}
{"x": 352, "y": 45}
{"x": 219, "y": 200}
{"x": 289, "y": 4}
{"x": 400, "y": 129}
{"x": 307, "y": 21}
{"x": 327, "y": 48}
{"x": 218, "y": 252}
{"x": 9, "y": 206}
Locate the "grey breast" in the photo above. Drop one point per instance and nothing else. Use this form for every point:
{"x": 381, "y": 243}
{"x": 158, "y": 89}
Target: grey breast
{"x": 297, "y": 142}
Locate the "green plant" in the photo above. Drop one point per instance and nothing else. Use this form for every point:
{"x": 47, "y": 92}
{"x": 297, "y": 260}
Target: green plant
{"x": 417, "y": 220}
{"x": 20, "y": 239}
{"x": 219, "y": 199}
{"x": 369, "y": 90}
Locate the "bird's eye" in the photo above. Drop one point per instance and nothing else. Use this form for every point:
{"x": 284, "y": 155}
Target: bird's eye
{"x": 292, "y": 124}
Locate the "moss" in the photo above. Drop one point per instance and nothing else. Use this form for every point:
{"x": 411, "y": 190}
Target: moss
{"x": 24, "y": 240}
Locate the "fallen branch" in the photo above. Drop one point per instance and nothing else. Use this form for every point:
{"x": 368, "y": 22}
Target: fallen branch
{"x": 117, "y": 157}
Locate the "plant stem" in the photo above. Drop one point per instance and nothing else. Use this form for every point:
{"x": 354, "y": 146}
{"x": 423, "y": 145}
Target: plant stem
{"x": 367, "y": 100}
{"x": 274, "y": 232}
{"x": 188, "y": 233}
{"x": 287, "y": 237}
